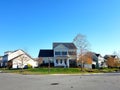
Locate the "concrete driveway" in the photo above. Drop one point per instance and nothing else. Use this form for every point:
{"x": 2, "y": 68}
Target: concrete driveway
{"x": 60, "y": 82}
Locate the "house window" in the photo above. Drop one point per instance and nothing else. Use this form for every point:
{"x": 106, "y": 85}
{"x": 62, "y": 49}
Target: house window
{"x": 64, "y": 53}
{"x": 57, "y": 61}
{"x": 57, "y": 53}
{"x": 65, "y": 60}
{"x": 60, "y": 61}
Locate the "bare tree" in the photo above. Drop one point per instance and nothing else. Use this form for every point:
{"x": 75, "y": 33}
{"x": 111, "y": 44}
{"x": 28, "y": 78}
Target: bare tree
{"x": 82, "y": 47}
{"x": 88, "y": 58}
{"x": 23, "y": 61}
{"x": 117, "y": 63}
{"x": 111, "y": 62}
{"x": 40, "y": 61}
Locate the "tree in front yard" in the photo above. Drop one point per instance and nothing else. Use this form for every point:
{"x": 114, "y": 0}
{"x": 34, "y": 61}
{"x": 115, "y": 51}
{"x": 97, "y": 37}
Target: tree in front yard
{"x": 40, "y": 61}
{"x": 82, "y": 45}
{"x": 113, "y": 62}
{"x": 110, "y": 62}
{"x": 23, "y": 60}
{"x": 118, "y": 59}
{"x": 86, "y": 58}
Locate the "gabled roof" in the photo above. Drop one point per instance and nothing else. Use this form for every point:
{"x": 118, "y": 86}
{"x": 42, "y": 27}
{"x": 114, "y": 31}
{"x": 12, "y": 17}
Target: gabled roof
{"x": 15, "y": 57}
{"x": 24, "y": 53}
{"x": 93, "y": 55}
{"x": 68, "y": 45}
{"x": 108, "y": 56}
{"x": 97, "y": 55}
{"x": 46, "y": 53}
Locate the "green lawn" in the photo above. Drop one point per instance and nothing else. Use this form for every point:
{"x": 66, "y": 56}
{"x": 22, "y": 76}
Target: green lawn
{"x": 56, "y": 70}
{"x": 52, "y": 71}
{"x": 38, "y": 71}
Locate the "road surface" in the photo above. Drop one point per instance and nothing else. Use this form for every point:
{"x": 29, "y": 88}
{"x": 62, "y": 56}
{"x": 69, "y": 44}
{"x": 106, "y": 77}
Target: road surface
{"x": 109, "y": 81}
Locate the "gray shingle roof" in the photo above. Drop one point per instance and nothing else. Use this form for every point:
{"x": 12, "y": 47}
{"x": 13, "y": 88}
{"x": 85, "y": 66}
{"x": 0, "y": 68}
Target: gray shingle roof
{"x": 46, "y": 53}
{"x": 68, "y": 45}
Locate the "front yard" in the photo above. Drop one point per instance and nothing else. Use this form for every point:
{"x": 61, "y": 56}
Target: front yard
{"x": 38, "y": 71}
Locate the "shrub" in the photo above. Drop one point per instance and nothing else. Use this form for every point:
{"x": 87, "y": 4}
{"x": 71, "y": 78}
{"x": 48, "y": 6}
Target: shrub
{"x": 29, "y": 66}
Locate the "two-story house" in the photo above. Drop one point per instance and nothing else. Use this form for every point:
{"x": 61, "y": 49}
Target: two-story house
{"x": 64, "y": 55}
{"x": 112, "y": 60}
{"x": 98, "y": 61}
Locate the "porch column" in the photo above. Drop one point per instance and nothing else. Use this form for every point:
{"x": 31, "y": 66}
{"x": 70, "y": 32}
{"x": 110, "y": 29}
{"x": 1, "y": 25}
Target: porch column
{"x": 54, "y": 61}
{"x": 68, "y": 63}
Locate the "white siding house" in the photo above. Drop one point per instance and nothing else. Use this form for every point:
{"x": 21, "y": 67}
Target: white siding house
{"x": 101, "y": 61}
{"x": 98, "y": 61}
{"x": 18, "y": 59}
{"x": 64, "y": 54}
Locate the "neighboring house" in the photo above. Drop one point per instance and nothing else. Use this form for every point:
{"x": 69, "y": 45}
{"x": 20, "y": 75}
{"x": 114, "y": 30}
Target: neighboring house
{"x": 98, "y": 61}
{"x": 101, "y": 61}
{"x": 112, "y": 60}
{"x": 92, "y": 60}
{"x": 113, "y": 56}
{"x": 62, "y": 55}
{"x": 85, "y": 60}
{"x": 17, "y": 59}
{"x": 46, "y": 57}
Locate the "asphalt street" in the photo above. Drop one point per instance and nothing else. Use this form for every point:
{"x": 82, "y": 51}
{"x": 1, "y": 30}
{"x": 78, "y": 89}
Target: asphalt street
{"x": 109, "y": 81}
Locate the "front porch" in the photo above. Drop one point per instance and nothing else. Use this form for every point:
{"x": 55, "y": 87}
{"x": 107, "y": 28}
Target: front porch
{"x": 61, "y": 61}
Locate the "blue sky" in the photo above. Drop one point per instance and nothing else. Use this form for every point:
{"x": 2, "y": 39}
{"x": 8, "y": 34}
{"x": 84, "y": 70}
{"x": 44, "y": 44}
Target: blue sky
{"x": 32, "y": 25}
